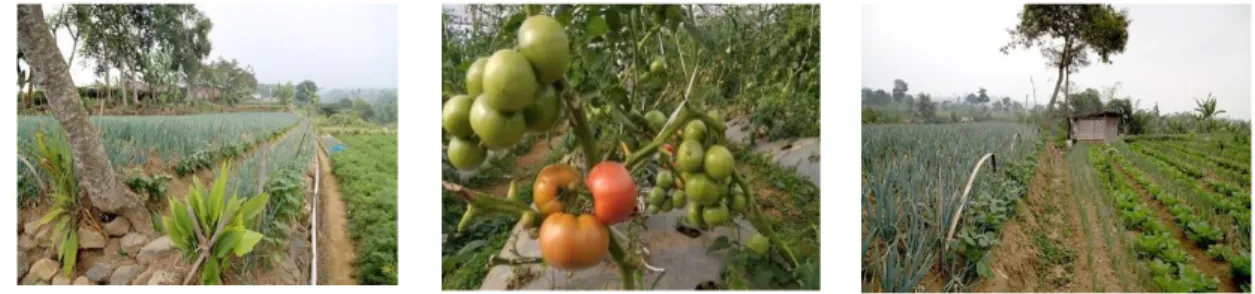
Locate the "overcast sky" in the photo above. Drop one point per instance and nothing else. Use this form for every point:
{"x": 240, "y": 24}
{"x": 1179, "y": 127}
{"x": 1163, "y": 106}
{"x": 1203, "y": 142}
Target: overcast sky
{"x": 1175, "y": 53}
{"x": 335, "y": 45}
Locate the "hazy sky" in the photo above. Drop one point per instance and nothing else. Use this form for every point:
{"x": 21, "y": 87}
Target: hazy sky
{"x": 335, "y": 45}
{"x": 1175, "y": 53}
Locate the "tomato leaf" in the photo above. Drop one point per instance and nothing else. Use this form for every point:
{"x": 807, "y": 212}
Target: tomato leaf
{"x": 719, "y": 244}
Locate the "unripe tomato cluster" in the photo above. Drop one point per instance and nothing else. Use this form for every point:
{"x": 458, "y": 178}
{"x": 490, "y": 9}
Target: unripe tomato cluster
{"x": 708, "y": 193}
{"x": 508, "y": 94}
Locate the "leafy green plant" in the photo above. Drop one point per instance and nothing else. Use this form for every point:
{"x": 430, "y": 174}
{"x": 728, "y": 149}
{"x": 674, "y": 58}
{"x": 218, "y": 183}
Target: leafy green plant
{"x": 67, "y": 206}
{"x": 153, "y": 188}
{"x": 1203, "y": 233}
{"x": 212, "y": 225}
{"x": 368, "y": 181}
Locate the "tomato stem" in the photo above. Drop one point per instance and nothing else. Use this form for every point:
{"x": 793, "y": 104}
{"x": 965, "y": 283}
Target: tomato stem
{"x": 579, "y": 122}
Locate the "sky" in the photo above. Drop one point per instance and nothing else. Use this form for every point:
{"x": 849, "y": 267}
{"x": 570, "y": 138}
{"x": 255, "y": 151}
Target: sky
{"x": 1175, "y": 53}
{"x": 335, "y": 45}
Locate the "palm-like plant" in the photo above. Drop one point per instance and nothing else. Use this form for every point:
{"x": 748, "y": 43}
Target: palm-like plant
{"x": 1206, "y": 109}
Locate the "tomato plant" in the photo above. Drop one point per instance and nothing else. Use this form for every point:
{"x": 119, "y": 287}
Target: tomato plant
{"x": 623, "y": 85}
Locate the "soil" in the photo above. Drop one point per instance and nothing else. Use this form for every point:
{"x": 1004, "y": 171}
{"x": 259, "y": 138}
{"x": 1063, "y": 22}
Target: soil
{"x": 1014, "y": 261}
{"x": 335, "y": 251}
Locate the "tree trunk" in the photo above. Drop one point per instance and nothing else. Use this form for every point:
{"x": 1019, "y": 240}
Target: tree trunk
{"x": 95, "y": 174}
{"x": 30, "y": 87}
{"x": 123, "y": 81}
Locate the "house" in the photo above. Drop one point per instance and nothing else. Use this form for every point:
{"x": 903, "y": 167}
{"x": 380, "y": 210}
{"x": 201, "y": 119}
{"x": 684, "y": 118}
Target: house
{"x": 1101, "y": 126}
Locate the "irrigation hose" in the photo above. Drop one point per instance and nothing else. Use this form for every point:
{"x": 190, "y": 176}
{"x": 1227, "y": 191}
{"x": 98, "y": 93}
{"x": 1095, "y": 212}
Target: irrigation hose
{"x": 954, "y": 224}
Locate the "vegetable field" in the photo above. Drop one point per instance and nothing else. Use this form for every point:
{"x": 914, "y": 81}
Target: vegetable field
{"x": 367, "y": 172}
{"x": 1144, "y": 213}
{"x": 172, "y": 161}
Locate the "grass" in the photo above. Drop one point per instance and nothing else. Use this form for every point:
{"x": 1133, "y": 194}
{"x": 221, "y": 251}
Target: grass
{"x": 367, "y": 172}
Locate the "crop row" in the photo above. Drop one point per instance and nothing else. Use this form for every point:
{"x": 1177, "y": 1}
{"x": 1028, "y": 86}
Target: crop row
{"x": 1227, "y": 149}
{"x": 1234, "y": 165}
{"x": 367, "y": 173}
{"x": 1201, "y": 163}
{"x": 913, "y": 177}
{"x": 1236, "y": 205}
{"x": 209, "y": 156}
{"x": 279, "y": 171}
{"x": 131, "y": 140}
{"x": 1170, "y": 265}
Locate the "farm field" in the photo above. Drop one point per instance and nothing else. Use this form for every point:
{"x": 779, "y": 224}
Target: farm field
{"x": 1165, "y": 214}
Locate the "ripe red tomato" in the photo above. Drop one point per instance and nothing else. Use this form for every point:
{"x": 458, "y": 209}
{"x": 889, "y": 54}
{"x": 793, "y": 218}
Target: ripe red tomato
{"x": 614, "y": 192}
{"x": 573, "y": 243}
{"x": 548, "y": 181}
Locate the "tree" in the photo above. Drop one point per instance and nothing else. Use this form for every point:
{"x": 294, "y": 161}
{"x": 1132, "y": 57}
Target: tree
{"x": 285, "y": 92}
{"x": 899, "y": 90}
{"x": 1081, "y": 28}
{"x": 983, "y": 97}
{"x": 1088, "y": 101}
{"x": 91, "y": 165}
{"x": 305, "y": 91}
{"x": 971, "y": 99}
{"x": 1206, "y": 109}
{"x": 926, "y": 108}
{"x": 232, "y": 81}
{"x": 363, "y": 108}
{"x": 386, "y": 108}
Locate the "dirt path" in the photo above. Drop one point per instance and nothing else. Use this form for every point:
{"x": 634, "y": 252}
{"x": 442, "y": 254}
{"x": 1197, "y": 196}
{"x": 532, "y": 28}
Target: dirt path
{"x": 335, "y": 249}
{"x": 1014, "y": 260}
{"x": 1211, "y": 267}
{"x": 1046, "y": 247}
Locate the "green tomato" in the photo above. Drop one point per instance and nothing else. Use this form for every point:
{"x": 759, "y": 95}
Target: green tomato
{"x": 656, "y": 119}
{"x": 718, "y": 162}
{"x": 657, "y": 66}
{"x": 475, "y": 77}
{"x": 678, "y": 198}
{"x": 700, "y": 189}
{"x": 456, "y": 116}
{"x": 545, "y": 45}
{"x": 509, "y": 83}
{"x": 497, "y": 130}
{"x": 543, "y": 114}
{"x": 695, "y": 130}
{"x": 695, "y": 215}
{"x": 666, "y": 206}
{"x": 718, "y": 118}
{"x": 664, "y": 179}
{"x": 465, "y": 154}
{"x": 652, "y": 208}
{"x": 759, "y": 244}
{"x": 689, "y": 156}
{"x": 715, "y": 215}
{"x": 738, "y": 201}
{"x": 657, "y": 196}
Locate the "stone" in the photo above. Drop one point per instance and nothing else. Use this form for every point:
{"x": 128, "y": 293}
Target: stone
{"x": 118, "y": 227}
{"x": 124, "y": 275}
{"x": 162, "y": 277}
{"x": 44, "y": 269}
{"x": 26, "y": 242}
{"x": 155, "y": 250}
{"x": 91, "y": 239}
{"x": 99, "y": 272}
{"x": 31, "y": 227}
{"x": 133, "y": 242}
{"x": 82, "y": 281}
{"x": 60, "y": 280}
{"x": 142, "y": 278}
{"x": 31, "y": 280}
{"x": 23, "y": 263}
{"x": 43, "y": 236}
{"x": 114, "y": 248}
